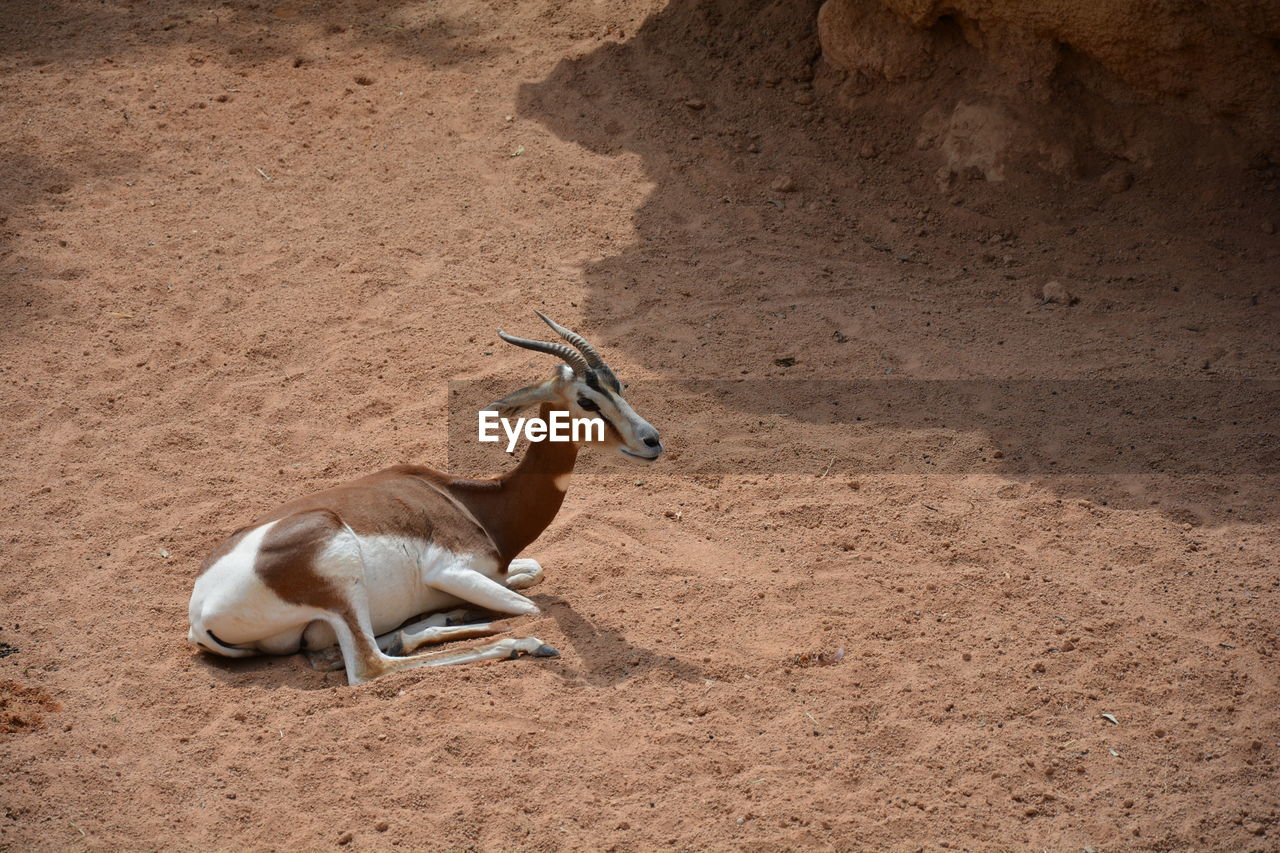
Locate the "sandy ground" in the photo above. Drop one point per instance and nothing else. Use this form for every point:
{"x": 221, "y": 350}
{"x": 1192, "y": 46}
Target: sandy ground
{"x": 245, "y": 248}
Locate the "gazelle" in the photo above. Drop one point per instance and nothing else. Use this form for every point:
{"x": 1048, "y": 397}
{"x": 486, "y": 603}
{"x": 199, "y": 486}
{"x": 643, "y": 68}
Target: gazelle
{"x": 350, "y": 564}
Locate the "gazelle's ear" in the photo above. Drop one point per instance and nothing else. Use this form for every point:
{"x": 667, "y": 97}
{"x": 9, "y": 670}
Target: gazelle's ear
{"x": 509, "y": 405}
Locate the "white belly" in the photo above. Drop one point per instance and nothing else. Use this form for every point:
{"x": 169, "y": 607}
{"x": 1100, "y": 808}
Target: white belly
{"x": 394, "y": 567}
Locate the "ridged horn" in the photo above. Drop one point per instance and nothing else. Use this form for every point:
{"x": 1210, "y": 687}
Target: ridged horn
{"x": 569, "y": 354}
{"x": 593, "y": 357}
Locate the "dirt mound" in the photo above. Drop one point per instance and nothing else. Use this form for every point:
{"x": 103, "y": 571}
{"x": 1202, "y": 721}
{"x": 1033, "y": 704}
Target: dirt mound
{"x": 23, "y": 708}
{"x": 1066, "y": 83}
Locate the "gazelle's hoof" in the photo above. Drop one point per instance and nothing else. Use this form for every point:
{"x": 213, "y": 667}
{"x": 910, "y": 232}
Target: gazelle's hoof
{"x": 326, "y": 660}
{"x": 395, "y": 648}
{"x": 466, "y": 617}
{"x": 545, "y": 651}
{"x": 523, "y": 574}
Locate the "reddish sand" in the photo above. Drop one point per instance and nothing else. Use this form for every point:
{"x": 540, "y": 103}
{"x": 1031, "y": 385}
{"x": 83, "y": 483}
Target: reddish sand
{"x": 243, "y": 251}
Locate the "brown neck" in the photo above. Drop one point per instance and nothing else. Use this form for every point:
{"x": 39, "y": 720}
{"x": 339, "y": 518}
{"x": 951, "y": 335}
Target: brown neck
{"x": 517, "y": 506}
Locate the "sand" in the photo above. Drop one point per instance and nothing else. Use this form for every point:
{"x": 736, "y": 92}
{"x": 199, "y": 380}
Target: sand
{"x": 244, "y": 251}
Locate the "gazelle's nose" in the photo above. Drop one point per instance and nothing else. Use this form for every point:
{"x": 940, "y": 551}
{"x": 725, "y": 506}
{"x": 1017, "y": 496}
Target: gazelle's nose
{"x": 650, "y": 437}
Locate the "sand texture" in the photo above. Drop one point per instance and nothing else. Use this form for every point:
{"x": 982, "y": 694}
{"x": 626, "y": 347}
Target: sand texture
{"x": 1009, "y": 440}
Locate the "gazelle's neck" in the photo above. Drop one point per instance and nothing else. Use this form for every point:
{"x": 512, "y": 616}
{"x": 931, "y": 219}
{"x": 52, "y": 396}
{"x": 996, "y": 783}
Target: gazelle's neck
{"x": 519, "y": 505}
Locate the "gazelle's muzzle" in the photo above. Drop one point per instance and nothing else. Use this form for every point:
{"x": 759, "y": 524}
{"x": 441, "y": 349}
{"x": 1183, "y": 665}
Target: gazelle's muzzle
{"x": 643, "y": 443}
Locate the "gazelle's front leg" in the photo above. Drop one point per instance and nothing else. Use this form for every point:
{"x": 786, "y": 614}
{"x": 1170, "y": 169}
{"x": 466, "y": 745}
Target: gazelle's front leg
{"x": 462, "y": 581}
{"x": 443, "y": 627}
{"x": 523, "y": 573}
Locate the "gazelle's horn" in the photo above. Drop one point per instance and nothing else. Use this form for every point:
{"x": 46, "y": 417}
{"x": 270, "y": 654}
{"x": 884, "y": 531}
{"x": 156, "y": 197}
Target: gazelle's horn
{"x": 593, "y": 357}
{"x": 568, "y": 353}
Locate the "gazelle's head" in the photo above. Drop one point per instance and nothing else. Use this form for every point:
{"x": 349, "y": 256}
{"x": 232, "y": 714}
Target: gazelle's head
{"x": 585, "y": 387}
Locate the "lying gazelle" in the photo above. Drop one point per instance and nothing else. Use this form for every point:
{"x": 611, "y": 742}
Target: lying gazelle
{"x": 350, "y": 564}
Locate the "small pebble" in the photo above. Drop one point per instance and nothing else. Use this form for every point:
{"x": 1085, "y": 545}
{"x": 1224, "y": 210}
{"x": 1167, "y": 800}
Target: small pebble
{"x": 867, "y": 151}
{"x": 382, "y": 826}
{"x": 695, "y": 104}
{"x": 784, "y": 184}
{"x": 1117, "y": 181}
{"x": 804, "y": 98}
{"x": 345, "y": 838}
{"x": 1054, "y": 291}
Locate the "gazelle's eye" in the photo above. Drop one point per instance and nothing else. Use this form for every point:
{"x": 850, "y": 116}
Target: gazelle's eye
{"x": 588, "y": 404}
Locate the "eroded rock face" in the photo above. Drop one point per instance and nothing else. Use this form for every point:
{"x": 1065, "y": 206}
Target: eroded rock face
{"x": 1053, "y": 77}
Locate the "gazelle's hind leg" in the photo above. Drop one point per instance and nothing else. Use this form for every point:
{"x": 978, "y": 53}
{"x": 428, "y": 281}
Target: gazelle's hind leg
{"x": 364, "y": 660}
{"x": 448, "y": 618}
{"x": 406, "y": 641}
{"x": 436, "y": 628}
{"x": 510, "y": 648}
{"x": 325, "y": 660}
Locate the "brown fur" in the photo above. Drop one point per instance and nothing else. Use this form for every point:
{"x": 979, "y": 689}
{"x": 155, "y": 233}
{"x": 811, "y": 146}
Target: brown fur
{"x": 286, "y": 560}
{"x": 512, "y": 510}
{"x": 405, "y": 500}
{"x": 516, "y": 507}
